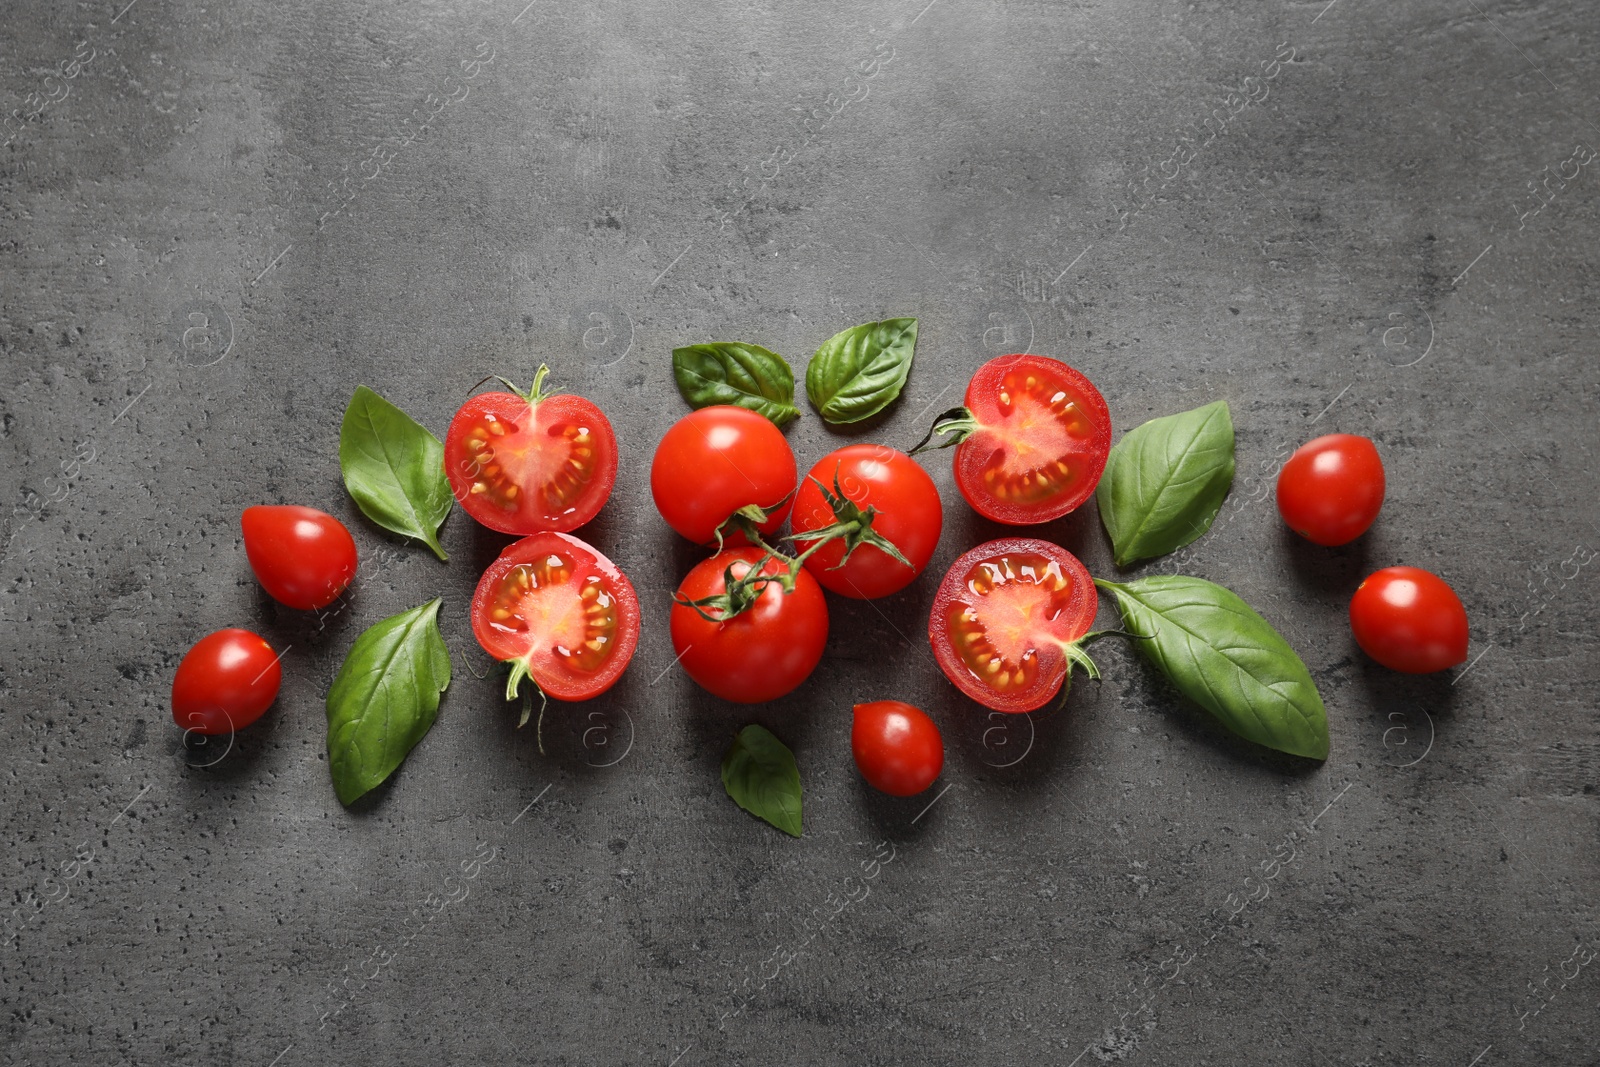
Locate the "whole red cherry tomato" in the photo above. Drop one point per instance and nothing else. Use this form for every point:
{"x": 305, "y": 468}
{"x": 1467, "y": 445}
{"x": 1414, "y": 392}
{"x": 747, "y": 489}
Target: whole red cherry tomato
{"x": 225, "y": 682}
{"x": 908, "y": 516}
{"x": 1330, "y": 490}
{"x": 714, "y": 461}
{"x": 1033, "y": 439}
{"x": 897, "y": 747}
{"x": 523, "y": 463}
{"x": 1409, "y": 620}
{"x": 302, "y": 557}
{"x": 560, "y": 612}
{"x": 761, "y": 653}
{"x": 1004, "y": 617}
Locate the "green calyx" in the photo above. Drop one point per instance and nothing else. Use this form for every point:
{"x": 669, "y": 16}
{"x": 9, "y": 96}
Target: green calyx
{"x": 520, "y": 672}
{"x": 955, "y": 425}
{"x": 534, "y": 395}
{"x": 851, "y": 525}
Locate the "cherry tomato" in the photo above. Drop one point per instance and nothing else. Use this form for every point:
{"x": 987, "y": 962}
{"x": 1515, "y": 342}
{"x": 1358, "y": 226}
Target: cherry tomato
{"x": 523, "y": 464}
{"x": 909, "y": 517}
{"x": 1003, "y": 617}
{"x": 1330, "y": 490}
{"x": 560, "y": 612}
{"x": 225, "y": 682}
{"x": 302, "y": 557}
{"x": 1409, "y": 620}
{"x": 897, "y": 747}
{"x": 761, "y": 653}
{"x": 714, "y": 461}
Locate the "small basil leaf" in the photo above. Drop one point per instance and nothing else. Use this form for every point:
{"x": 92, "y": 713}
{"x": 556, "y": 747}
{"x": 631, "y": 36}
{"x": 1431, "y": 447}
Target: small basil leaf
{"x": 1218, "y": 652}
{"x": 732, "y": 372}
{"x": 760, "y": 775}
{"x": 1165, "y": 480}
{"x": 859, "y": 372}
{"x": 394, "y": 469}
{"x": 385, "y": 698}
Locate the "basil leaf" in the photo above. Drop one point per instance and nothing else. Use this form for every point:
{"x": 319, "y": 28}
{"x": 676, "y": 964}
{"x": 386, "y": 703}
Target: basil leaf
{"x": 1227, "y": 659}
{"x": 385, "y": 698}
{"x": 732, "y": 372}
{"x": 859, "y": 372}
{"x": 394, "y": 468}
{"x": 1164, "y": 482}
{"x": 760, "y": 775}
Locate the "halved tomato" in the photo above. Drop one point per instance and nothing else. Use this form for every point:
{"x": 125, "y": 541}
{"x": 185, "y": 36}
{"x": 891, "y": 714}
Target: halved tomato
{"x": 1007, "y": 619}
{"x": 559, "y": 612}
{"x": 526, "y": 462}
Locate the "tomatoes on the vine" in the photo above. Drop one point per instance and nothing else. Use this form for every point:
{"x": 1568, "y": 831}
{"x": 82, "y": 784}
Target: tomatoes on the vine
{"x": 906, "y": 513}
{"x": 523, "y": 463}
{"x": 301, "y": 556}
{"x": 1409, "y": 620}
{"x": 767, "y": 648}
{"x": 897, "y": 747}
{"x": 1007, "y": 619}
{"x": 714, "y": 461}
{"x": 225, "y": 682}
{"x": 559, "y": 612}
{"x": 1331, "y": 489}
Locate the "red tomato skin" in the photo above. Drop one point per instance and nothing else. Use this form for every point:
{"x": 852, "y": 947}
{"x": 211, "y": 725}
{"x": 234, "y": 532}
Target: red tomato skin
{"x": 716, "y": 460}
{"x": 1331, "y": 489}
{"x": 761, "y": 654}
{"x": 551, "y": 413}
{"x": 973, "y": 454}
{"x": 1409, "y": 620}
{"x": 898, "y": 749}
{"x": 225, "y": 682}
{"x": 909, "y": 517}
{"x": 303, "y": 558}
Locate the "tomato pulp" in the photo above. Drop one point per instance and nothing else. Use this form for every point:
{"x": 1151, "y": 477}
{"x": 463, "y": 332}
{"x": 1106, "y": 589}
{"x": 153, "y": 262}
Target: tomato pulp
{"x": 1409, "y": 620}
{"x": 714, "y": 461}
{"x": 1331, "y": 489}
{"x": 225, "y": 682}
{"x": 897, "y": 748}
{"x": 301, "y": 556}
{"x": 908, "y": 516}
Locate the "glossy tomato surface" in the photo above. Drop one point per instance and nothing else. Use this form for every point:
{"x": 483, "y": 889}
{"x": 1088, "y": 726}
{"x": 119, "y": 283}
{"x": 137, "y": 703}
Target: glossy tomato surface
{"x": 1409, "y": 620}
{"x": 301, "y": 556}
{"x": 225, "y": 682}
{"x": 909, "y": 517}
{"x": 522, "y": 468}
{"x": 1331, "y": 488}
{"x": 714, "y": 461}
{"x": 1002, "y": 616}
{"x": 759, "y": 654}
{"x": 1042, "y": 437}
{"x": 897, "y": 747}
{"x": 558, "y": 605}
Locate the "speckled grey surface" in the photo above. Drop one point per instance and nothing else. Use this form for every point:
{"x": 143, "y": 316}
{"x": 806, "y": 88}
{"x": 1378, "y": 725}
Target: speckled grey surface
{"x": 214, "y": 227}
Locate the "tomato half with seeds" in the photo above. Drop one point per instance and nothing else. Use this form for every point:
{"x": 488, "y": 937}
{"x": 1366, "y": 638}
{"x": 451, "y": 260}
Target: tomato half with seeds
{"x": 716, "y": 460}
{"x": 523, "y": 463}
{"x": 1031, "y": 440}
{"x": 559, "y": 612}
{"x": 906, "y": 513}
{"x": 1007, "y": 619}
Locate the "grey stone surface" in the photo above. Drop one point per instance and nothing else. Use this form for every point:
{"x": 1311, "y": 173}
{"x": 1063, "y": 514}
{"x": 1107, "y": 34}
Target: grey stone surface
{"x": 183, "y": 316}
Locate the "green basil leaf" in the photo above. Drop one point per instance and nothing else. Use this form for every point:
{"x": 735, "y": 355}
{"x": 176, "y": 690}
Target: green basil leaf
{"x": 385, "y": 698}
{"x": 732, "y": 372}
{"x": 1164, "y": 482}
{"x": 1227, "y": 659}
{"x": 859, "y": 372}
{"x": 760, "y": 775}
{"x": 394, "y": 468}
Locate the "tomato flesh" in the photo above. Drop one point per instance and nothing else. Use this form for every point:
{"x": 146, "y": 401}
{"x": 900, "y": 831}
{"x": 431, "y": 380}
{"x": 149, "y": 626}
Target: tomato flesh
{"x": 302, "y": 557}
{"x": 1409, "y": 620}
{"x": 909, "y": 517}
{"x": 897, "y": 748}
{"x": 225, "y": 682}
{"x": 716, "y": 460}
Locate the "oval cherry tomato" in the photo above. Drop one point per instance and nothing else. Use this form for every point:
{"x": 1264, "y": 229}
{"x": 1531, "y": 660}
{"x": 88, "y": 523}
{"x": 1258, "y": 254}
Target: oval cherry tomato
{"x": 1003, "y": 616}
{"x": 525, "y": 464}
{"x": 1409, "y": 620}
{"x": 714, "y": 461}
{"x": 302, "y": 557}
{"x": 560, "y": 612}
{"x": 761, "y": 653}
{"x": 908, "y": 517}
{"x": 225, "y": 682}
{"x": 1330, "y": 490}
{"x": 897, "y": 747}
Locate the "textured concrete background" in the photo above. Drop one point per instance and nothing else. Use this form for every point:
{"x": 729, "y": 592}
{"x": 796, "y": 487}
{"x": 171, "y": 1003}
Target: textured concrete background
{"x": 213, "y": 230}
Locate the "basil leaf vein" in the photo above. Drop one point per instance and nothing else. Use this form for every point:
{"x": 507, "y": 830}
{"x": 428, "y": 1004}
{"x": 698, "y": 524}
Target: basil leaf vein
{"x": 733, "y": 372}
{"x": 858, "y": 372}
{"x": 760, "y": 775}
{"x": 1165, "y": 481}
{"x": 394, "y": 469}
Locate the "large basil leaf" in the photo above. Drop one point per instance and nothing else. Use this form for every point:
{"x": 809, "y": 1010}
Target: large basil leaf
{"x": 394, "y": 468}
{"x": 385, "y": 698}
{"x": 732, "y": 372}
{"x": 760, "y": 775}
{"x": 859, "y": 372}
{"x": 1164, "y": 482}
{"x": 1227, "y": 659}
